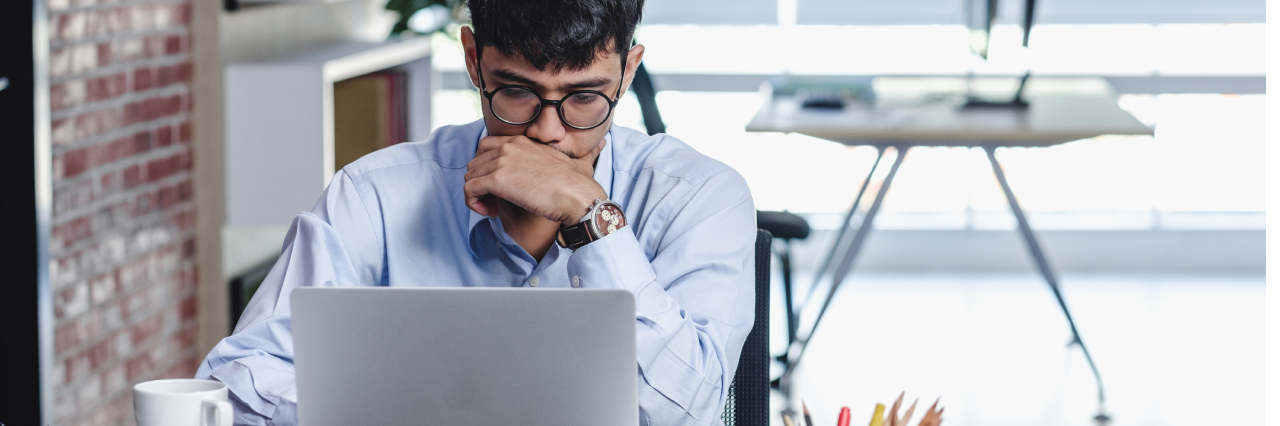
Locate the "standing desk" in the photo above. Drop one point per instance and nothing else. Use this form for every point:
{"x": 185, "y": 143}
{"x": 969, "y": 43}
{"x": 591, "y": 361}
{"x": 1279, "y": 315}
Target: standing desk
{"x": 925, "y": 111}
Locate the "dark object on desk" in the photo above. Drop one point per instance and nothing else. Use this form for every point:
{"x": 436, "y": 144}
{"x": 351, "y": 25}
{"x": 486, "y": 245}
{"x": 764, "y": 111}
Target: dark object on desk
{"x": 242, "y": 287}
{"x": 748, "y": 402}
{"x": 1016, "y": 103}
{"x": 832, "y": 101}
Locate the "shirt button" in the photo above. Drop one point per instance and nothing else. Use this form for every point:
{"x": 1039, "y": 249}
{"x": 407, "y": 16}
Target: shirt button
{"x": 576, "y": 281}
{"x": 533, "y": 282}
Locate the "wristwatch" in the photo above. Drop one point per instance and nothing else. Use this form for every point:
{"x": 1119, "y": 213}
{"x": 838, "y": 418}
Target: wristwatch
{"x": 603, "y": 219}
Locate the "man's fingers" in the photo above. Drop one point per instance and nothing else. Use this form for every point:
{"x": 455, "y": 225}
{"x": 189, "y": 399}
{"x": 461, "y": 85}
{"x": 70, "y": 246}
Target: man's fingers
{"x": 483, "y": 157}
{"x": 481, "y": 167}
{"x": 478, "y": 197}
{"x": 490, "y": 143}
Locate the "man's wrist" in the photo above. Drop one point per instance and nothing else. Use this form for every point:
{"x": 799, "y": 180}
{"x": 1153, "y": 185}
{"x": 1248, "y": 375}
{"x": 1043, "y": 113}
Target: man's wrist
{"x": 579, "y": 208}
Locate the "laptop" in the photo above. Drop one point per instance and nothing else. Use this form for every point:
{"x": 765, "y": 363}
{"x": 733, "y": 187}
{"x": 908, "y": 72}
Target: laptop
{"x": 464, "y": 356}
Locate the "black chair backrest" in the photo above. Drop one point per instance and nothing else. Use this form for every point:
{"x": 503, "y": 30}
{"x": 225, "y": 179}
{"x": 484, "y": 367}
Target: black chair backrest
{"x": 748, "y": 403}
{"x": 648, "y": 97}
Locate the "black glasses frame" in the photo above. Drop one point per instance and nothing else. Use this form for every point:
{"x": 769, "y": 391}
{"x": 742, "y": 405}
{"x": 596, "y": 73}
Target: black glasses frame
{"x": 544, "y": 102}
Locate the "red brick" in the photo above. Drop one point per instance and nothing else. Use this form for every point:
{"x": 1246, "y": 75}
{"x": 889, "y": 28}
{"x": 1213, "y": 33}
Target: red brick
{"x": 143, "y": 79}
{"x": 69, "y": 130}
{"x": 164, "y": 136}
{"x": 107, "y": 87}
{"x": 163, "y": 167}
{"x": 102, "y": 353}
{"x": 182, "y": 13}
{"x": 62, "y": 131}
{"x": 159, "y": 168}
{"x": 185, "y": 72}
{"x": 66, "y": 336}
{"x": 173, "y": 45}
{"x": 184, "y": 131}
{"x": 138, "y": 365}
{"x": 186, "y": 190}
{"x": 165, "y": 76}
{"x": 73, "y": 367}
{"x": 133, "y": 176}
{"x": 118, "y": 333}
{"x": 70, "y": 26}
{"x": 75, "y": 162}
{"x": 75, "y": 231}
{"x": 67, "y": 94}
{"x": 108, "y": 182}
{"x": 104, "y": 54}
{"x": 168, "y": 196}
{"x": 156, "y": 46}
{"x": 147, "y": 328}
{"x": 183, "y": 221}
{"x": 187, "y": 310}
{"x": 141, "y": 143}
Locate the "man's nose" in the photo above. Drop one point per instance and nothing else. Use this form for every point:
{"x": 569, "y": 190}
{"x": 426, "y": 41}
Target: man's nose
{"x": 547, "y": 128}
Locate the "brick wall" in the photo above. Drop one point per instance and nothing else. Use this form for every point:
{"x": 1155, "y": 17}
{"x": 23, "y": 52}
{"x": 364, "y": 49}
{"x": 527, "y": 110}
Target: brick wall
{"x": 122, "y": 241}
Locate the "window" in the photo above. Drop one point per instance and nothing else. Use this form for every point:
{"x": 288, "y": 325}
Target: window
{"x": 1204, "y": 168}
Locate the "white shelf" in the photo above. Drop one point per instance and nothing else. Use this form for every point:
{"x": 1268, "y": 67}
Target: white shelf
{"x": 279, "y": 122}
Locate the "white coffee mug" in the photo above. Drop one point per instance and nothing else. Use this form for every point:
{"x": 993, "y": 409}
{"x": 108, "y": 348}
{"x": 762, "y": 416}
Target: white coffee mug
{"x": 181, "y": 402}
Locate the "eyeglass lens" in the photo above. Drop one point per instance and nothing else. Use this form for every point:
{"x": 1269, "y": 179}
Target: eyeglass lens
{"x": 520, "y": 105}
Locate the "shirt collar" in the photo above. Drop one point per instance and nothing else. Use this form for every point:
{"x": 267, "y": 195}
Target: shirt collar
{"x": 603, "y": 176}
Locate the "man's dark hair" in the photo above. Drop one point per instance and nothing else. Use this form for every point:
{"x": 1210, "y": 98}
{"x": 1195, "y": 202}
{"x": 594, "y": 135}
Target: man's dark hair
{"x": 566, "y": 34}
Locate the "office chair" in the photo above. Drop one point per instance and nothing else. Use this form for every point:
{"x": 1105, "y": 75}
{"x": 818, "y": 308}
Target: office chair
{"x": 748, "y": 402}
{"x": 786, "y": 226}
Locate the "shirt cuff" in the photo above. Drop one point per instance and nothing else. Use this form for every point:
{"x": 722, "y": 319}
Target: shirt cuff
{"x": 261, "y": 383}
{"x": 613, "y": 262}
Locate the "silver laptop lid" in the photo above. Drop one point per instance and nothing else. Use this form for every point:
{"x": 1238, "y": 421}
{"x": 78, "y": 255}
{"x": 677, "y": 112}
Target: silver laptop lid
{"x": 465, "y": 356}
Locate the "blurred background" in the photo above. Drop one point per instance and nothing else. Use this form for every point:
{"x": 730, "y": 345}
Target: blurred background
{"x": 184, "y": 135}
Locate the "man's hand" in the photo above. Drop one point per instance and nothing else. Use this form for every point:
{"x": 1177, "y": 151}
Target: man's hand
{"x": 534, "y": 176}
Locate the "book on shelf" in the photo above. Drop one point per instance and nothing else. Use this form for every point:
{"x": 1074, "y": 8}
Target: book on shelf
{"x": 369, "y": 113}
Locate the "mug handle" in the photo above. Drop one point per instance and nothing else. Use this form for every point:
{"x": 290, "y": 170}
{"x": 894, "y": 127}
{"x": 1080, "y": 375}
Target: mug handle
{"x": 221, "y": 412}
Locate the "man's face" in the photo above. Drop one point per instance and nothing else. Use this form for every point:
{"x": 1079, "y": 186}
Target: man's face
{"x": 605, "y": 75}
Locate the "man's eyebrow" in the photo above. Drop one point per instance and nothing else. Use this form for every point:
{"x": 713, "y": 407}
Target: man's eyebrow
{"x": 511, "y": 76}
{"x": 589, "y": 83}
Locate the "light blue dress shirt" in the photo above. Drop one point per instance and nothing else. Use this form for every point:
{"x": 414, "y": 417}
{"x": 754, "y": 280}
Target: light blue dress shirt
{"x": 397, "y": 218}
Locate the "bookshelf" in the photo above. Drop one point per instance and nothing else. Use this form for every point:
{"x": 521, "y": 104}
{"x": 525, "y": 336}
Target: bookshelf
{"x": 280, "y": 121}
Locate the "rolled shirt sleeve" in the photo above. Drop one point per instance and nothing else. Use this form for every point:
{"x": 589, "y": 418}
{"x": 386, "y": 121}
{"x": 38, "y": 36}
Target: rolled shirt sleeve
{"x": 695, "y": 297}
{"x": 256, "y": 362}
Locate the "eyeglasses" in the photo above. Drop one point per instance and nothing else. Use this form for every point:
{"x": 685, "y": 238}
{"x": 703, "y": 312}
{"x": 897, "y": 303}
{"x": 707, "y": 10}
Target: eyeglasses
{"x": 519, "y": 105}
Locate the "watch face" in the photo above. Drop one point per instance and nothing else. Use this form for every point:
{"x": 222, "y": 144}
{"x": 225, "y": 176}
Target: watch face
{"x": 609, "y": 218}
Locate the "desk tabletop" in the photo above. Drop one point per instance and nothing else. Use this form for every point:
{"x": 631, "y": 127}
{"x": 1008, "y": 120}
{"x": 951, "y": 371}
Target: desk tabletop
{"x": 925, "y": 111}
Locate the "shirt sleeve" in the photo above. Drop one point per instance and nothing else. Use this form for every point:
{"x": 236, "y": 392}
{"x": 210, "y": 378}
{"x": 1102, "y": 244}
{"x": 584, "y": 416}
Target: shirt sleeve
{"x": 695, "y": 296}
{"x": 333, "y": 245}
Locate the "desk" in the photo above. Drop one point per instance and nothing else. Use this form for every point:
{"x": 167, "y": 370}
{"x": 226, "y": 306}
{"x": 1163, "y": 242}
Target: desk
{"x": 911, "y": 112}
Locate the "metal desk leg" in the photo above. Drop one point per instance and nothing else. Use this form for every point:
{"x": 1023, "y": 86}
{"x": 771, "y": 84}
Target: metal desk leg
{"x": 844, "y": 227}
{"x": 846, "y": 264}
{"x": 784, "y": 382}
{"x": 1043, "y": 265}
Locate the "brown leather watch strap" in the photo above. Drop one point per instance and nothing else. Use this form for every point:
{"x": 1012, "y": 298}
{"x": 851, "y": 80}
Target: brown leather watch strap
{"x": 574, "y": 236}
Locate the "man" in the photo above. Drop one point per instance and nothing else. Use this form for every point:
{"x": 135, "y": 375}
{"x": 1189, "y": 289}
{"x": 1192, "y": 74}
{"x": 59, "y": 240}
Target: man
{"x": 502, "y": 202}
